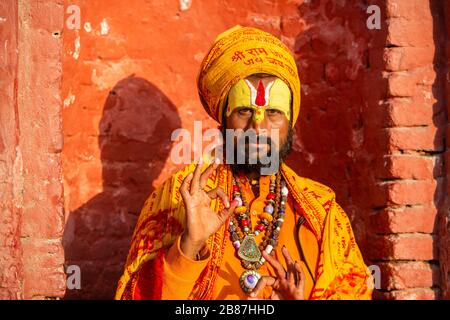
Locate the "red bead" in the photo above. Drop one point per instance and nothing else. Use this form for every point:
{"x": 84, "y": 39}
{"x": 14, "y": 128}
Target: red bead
{"x": 244, "y": 223}
{"x": 235, "y": 188}
{"x": 260, "y": 227}
{"x": 270, "y": 196}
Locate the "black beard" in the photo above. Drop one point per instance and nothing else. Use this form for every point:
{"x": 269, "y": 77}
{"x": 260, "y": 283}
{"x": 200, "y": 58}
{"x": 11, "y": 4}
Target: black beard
{"x": 247, "y": 167}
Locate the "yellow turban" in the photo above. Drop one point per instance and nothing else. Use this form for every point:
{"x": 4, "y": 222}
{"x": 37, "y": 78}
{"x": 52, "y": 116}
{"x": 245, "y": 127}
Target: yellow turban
{"x": 238, "y": 53}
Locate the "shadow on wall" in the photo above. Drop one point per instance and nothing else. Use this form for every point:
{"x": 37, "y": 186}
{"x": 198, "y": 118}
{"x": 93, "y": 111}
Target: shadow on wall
{"x": 440, "y": 118}
{"x": 341, "y": 125}
{"x": 136, "y": 118}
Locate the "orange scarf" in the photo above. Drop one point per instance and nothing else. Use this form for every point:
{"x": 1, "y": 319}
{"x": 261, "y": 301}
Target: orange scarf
{"x": 341, "y": 272}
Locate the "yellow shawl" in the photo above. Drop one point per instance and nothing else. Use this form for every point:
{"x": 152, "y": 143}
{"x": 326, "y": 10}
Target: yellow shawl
{"x": 341, "y": 272}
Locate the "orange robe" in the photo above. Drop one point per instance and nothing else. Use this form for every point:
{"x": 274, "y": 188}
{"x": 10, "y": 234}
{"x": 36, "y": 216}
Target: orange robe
{"x": 326, "y": 250}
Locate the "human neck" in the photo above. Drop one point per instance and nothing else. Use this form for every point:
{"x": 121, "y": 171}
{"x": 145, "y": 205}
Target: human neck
{"x": 253, "y": 175}
{"x": 250, "y": 174}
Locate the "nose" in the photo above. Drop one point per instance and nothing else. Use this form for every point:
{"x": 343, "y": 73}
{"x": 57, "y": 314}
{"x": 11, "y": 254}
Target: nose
{"x": 260, "y": 126}
{"x": 256, "y": 125}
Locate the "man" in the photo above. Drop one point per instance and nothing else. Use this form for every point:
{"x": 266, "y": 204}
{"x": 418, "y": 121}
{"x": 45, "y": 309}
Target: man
{"x": 227, "y": 230}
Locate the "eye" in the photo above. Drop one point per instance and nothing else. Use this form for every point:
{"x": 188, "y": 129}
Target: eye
{"x": 245, "y": 111}
{"x": 272, "y": 112}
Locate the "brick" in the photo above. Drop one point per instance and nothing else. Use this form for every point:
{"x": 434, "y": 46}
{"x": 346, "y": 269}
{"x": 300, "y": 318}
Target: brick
{"x": 406, "y": 220}
{"x": 402, "y": 84}
{"x": 405, "y": 192}
{"x": 412, "y": 9}
{"x": 407, "y": 58}
{"x": 409, "y": 246}
{"x": 410, "y": 33}
{"x": 414, "y": 167}
{"x": 416, "y": 138}
{"x": 407, "y": 113}
{"x": 413, "y": 246}
{"x": 404, "y": 275}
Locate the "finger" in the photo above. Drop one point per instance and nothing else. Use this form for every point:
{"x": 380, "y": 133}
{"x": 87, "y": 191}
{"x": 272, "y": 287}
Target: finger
{"x": 281, "y": 273}
{"x": 290, "y": 265}
{"x": 205, "y": 175}
{"x": 301, "y": 276}
{"x": 277, "y": 285}
{"x": 225, "y": 213}
{"x": 195, "y": 185}
{"x": 184, "y": 186}
{"x": 274, "y": 295}
{"x": 218, "y": 192}
{"x": 262, "y": 283}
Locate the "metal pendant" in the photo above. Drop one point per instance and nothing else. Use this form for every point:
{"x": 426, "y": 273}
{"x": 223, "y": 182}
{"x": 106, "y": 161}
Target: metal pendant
{"x": 249, "y": 250}
{"x": 248, "y": 280}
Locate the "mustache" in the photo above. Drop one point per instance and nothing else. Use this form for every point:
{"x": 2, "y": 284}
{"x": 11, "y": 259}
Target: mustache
{"x": 258, "y": 140}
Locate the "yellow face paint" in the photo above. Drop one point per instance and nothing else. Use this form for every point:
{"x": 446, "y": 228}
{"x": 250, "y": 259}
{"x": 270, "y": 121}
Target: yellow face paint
{"x": 274, "y": 95}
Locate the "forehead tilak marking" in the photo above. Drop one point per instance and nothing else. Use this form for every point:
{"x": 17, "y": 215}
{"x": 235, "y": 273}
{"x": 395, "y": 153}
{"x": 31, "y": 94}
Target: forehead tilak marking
{"x": 259, "y": 96}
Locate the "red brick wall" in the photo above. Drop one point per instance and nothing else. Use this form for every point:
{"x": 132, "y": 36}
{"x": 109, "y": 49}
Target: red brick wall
{"x": 367, "y": 128}
{"x": 410, "y": 184}
{"x": 372, "y": 127}
{"x": 30, "y": 149}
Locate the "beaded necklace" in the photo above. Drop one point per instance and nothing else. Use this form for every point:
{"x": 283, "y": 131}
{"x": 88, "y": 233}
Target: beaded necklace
{"x": 271, "y": 220}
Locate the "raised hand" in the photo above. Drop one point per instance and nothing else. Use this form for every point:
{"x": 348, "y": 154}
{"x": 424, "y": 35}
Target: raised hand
{"x": 288, "y": 285}
{"x": 201, "y": 220}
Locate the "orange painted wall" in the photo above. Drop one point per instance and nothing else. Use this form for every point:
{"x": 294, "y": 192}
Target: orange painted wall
{"x": 87, "y": 115}
{"x": 129, "y": 81}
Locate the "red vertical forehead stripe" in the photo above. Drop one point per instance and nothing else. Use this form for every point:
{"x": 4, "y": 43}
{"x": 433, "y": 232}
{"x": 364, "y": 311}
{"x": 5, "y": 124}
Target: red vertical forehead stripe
{"x": 260, "y": 95}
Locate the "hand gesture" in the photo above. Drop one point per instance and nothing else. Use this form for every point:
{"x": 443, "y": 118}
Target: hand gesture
{"x": 288, "y": 285}
{"x": 201, "y": 220}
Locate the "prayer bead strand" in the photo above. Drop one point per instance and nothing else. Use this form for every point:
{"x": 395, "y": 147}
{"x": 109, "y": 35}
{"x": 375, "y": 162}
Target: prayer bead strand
{"x": 271, "y": 219}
